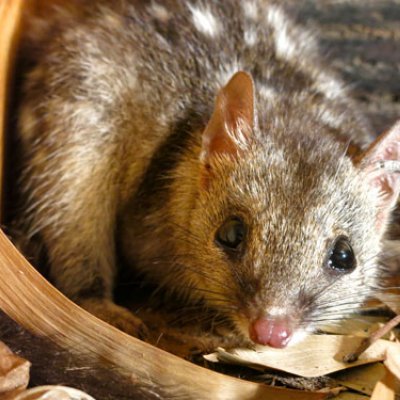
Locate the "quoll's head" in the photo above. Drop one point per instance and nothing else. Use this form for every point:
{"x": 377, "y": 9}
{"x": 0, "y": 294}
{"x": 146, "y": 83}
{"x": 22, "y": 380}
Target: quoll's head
{"x": 287, "y": 226}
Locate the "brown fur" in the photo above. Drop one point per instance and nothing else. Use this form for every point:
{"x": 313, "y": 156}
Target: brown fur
{"x": 112, "y": 124}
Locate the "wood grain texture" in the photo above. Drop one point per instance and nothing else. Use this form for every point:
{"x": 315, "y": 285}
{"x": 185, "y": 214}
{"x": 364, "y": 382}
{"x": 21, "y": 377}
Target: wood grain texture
{"x": 362, "y": 39}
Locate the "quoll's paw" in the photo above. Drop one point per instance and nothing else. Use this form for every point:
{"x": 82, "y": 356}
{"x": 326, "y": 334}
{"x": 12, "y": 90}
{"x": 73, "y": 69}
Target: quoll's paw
{"x": 117, "y": 316}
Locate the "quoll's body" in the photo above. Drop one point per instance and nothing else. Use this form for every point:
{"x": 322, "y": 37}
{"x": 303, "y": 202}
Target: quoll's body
{"x": 208, "y": 142}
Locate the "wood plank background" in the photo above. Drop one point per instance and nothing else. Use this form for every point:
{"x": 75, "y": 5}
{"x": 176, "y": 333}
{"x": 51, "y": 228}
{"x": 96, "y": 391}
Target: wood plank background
{"x": 362, "y": 39}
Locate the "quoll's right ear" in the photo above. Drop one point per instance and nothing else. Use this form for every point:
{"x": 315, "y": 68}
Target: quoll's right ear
{"x": 230, "y": 128}
{"x": 381, "y": 164}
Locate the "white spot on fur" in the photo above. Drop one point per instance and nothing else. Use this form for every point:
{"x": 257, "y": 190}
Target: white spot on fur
{"x": 331, "y": 87}
{"x": 291, "y": 42}
{"x": 296, "y": 46}
{"x": 331, "y": 119}
{"x": 250, "y": 37}
{"x": 284, "y": 45}
{"x": 119, "y": 79}
{"x": 250, "y": 9}
{"x": 205, "y": 21}
{"x": 267, "y": 92}
{"x": 160, "y": 12}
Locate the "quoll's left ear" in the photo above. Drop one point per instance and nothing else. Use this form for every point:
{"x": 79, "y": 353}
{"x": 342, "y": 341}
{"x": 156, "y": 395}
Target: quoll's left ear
{"x": 381, "y": 163}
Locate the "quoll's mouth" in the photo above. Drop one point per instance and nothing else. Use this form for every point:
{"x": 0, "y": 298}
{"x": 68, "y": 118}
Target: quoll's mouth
{"x": 271, "y": 331}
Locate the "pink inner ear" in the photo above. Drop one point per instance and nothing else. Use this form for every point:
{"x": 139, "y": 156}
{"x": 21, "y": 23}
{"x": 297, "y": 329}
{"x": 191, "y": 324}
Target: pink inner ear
{"x": 381, "y": 162}
{"x": 385, "y": 185}
{"x": 387, "y": 181}
{"x": 390, "y": 152}
{"x": 231, "y": 125}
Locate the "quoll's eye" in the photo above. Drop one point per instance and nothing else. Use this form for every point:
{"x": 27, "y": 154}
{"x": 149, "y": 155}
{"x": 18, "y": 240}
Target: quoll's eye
{"x": 342, "y": 257}
{"x": 231, "y": 233}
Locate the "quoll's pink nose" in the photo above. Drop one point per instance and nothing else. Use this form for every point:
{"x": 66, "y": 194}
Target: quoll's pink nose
{"x": 274, "y": 332}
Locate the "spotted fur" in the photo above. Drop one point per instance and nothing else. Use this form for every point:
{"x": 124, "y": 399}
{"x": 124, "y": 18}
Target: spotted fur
{"x": 111, "y": 126}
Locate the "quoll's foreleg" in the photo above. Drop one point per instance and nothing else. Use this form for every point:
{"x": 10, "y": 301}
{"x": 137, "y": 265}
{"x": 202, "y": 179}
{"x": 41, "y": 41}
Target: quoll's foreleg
{"x": 72, "y": 193}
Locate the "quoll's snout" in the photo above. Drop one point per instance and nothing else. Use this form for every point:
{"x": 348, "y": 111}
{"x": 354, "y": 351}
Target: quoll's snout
{"x": 271, "y": 331}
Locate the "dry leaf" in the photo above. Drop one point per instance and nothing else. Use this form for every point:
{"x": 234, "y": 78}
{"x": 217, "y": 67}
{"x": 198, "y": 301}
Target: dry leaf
{"x": 323, "y": 355}
{"x": 392, "y": 361}
{"x": 53, "y": 393}
{"x": 363, "y": 378}
{"x": 14, "y": 372}
{"x": 356, "y": 327}
{"x": 384, "y": 389}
